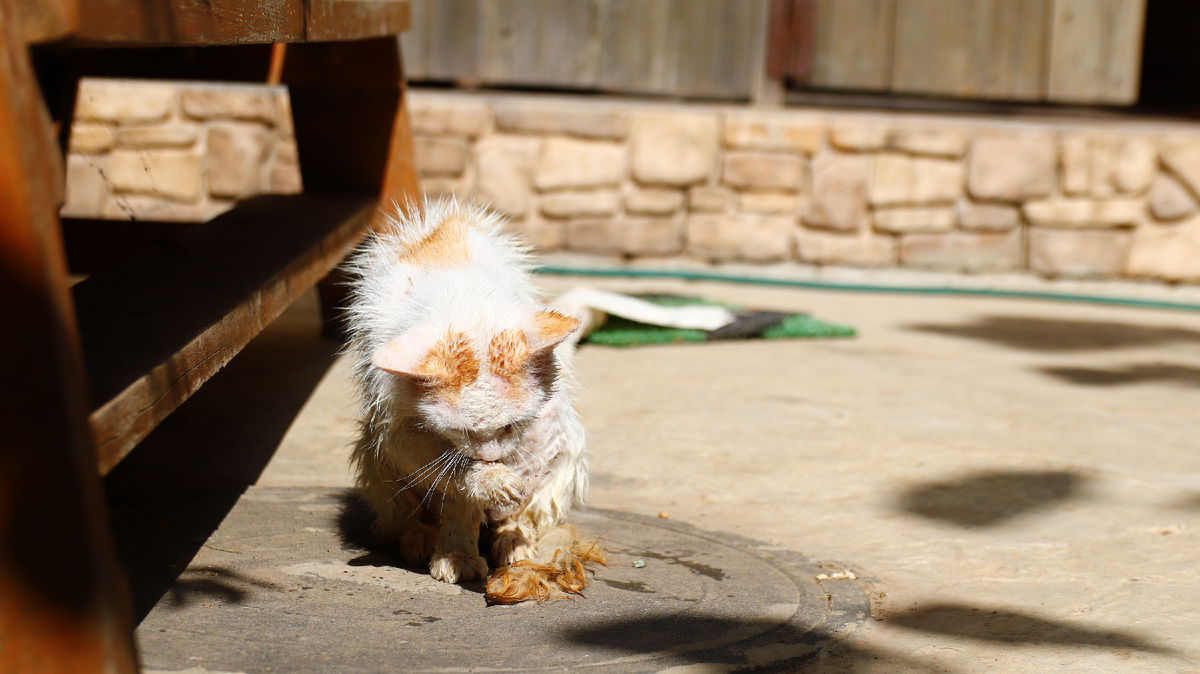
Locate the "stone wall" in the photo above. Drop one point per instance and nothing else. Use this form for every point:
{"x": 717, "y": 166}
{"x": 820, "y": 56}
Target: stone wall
{"x": 1102, "y": 199}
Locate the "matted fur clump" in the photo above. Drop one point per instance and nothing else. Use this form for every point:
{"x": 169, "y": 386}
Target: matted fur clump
{"x": 467, "y": 421}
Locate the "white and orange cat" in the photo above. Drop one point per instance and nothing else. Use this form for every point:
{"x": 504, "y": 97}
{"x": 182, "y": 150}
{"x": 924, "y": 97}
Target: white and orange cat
{"x": 467, "y": 419}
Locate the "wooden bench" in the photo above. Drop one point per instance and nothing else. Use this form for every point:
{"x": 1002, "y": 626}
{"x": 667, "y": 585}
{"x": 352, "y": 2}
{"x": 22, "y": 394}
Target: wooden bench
{"x": 89, "y": 371}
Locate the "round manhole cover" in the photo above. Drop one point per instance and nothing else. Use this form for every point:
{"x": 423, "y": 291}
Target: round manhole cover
{"x": 278, "y": 588}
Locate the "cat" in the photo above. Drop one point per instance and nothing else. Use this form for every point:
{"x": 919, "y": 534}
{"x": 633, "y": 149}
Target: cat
{"x": 467, "y": 420}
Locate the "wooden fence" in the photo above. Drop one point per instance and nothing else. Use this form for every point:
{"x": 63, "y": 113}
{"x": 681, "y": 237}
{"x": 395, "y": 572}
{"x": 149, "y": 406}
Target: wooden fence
{"x": 1064, "y": 51}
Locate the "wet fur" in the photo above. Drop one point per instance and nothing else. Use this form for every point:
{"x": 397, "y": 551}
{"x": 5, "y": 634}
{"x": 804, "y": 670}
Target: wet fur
{"x": 467, "y": 422}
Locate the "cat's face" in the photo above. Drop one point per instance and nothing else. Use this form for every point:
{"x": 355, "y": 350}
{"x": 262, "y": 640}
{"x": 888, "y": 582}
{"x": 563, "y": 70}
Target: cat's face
{"x": 480, "y": 392}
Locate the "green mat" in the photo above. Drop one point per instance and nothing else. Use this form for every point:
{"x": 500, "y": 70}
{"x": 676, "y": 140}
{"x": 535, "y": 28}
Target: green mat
{"x": 750, "y": 324}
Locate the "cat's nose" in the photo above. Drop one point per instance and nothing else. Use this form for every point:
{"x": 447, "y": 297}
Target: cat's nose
{"x": 489, "y": 450}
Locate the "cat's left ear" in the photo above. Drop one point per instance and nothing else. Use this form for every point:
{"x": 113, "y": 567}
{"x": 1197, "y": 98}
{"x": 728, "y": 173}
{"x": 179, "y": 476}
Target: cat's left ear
{"x": 402, "y": 356}
{"x": 551, "y": 329}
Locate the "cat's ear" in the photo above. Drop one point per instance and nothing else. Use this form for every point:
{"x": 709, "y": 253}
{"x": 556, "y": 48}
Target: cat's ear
{"x": 551, "y": 329}
{"x": 403, "y": 355}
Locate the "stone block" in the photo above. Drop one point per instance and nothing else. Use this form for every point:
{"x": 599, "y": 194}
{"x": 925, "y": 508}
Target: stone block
{"x": 1076, "y": 178}
{"x": 653, "y": 237}
{"x": 578, "y": 203}
{"x": 674, "y": 148}
{"x": 773, "y": 132}
{"x": 763, "y": 171}
{"x": 949, "y": 141}
{"x": 236, "y": 155}
{"x": 598, "y": 236}
{"x": 1012, "y": 167}
{"x": 857, "y": 136}
{"x": 1181, "y": 155}
{"x": 144, "y": 207}
{"x": 1078, "y": 254}
{"x": 915, "y": 181}
{"x": 124, "y": 101}
{"x": 654, "y": 201}
{"x": 585, "y": 121}
{"x": 91, "y": 138}
{"x": 960, "y": 251}
{"x": 1104, "y": 164}
{"x": 861, "y": 249}
{"x": 838, "y": 198}
{"x": 769, "y": 203}
{"x": 168, "y": 174}
{"x": 241, "y": 102}
{"x": 538, "y": 234}
{"x": 286, "y": 152}
{"x": 158, "y": 136}
{"x": 904, "y": 220}
{"x": 1085, "y": 213}
{"x": 440, "y": 156}
{"x": 458, "y": 188}
{"x": 1136, "y": 165}
{"x": 431, "y": 115}
{"x": 285, "y": 179}
{"x": 505, "y": 167}
{"x": 1170, "y": 252}
{"x": 706, "y": 199}
{"x": 1169, "y": 200}
{"x": 568, "y": 163}
{"x": 87, "y": 190}
{"x": 988, "y": 217}
{"x": 742, "y": 237}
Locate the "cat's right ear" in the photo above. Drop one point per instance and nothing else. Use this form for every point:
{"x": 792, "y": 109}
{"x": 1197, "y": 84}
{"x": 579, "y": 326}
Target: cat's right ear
{"x": 402, "y": 356}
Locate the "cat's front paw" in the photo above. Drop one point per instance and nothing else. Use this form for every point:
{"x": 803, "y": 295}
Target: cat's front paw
{"x": 454, "y": 567}
{"x": 493, "y": 485}
{"x": 509, "y": 547}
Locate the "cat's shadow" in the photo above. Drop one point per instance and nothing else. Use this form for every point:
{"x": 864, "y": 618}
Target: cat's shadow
{"x": 354, "y": 528}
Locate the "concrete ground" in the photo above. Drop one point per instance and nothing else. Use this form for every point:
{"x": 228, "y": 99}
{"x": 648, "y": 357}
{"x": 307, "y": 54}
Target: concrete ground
{"x": 1015, "y": 484}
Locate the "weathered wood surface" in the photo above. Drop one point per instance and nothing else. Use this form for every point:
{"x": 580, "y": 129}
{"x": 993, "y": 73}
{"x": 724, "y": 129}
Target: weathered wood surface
{"x": 1095, "y": 51}
{"x": 210, "y": 22}
{"x": 63, "y": 604}
{"x": 156, "y": 328}
{"x": 853, "y": 44}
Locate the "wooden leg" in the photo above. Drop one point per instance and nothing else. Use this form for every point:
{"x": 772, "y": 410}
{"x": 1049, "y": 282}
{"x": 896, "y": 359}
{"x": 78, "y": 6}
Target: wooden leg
{"x": 63, "y": 604}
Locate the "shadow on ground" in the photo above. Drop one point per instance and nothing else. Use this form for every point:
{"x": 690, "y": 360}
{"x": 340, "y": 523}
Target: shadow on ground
{"x": 990, "y": 498}
{"x": 1060, "y": 335}
{"x": 172, "y": 492}
{"x": 1183, "y": 375}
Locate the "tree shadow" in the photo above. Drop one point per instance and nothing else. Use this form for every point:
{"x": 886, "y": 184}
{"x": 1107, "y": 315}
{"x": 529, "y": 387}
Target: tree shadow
{"x": 989, "y": 498}
{"x": 1060, "y": 335}
{"x": 1131, "y": 374}
{"x": 173, "y": 490}
{"x": 198, "y": 583}
{"x": 1010, "y": 627}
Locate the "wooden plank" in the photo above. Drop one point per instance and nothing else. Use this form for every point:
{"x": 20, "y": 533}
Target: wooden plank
{"x": 689, "y": 47}
{"x": 1095, "y": 51}
{"x": 415, "y": 45}
{"x": 1009, "y": 49}
{"x": 210, "y": 22}
{"x": 453, "y": 38}
{"x": 853, "y": 44}
{"x": 63, "y": 602}
{"x": 738, "y": 31}
{"x": 633, "y": 59}
{"x": 508, "y": 34}
{"x": 790, "y": 36}
{"x": 568, "y": 44}
{"x": 933, "y": 47}
{"x": 157, "y": 328}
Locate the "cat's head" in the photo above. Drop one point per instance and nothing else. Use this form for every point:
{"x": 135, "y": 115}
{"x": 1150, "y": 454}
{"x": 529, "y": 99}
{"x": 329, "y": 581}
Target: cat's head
{"x": 480, "y": 391}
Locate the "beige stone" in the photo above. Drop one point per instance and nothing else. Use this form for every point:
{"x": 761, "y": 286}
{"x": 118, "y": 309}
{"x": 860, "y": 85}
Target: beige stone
{"x": 505, "y": 173}
{"x": 1012, "y": 167}
{"x": 566, "y": 163}
{"x": 236, "y": 154}
{"x": 856, "y": 249}
{"x": 962, "y": 251}
{"x": 539, "y": 234}
{"x": 535, "y": 116}
{"x": 249, "y": 103}
{"x": 653, "y": 236}
{"x": 948, "y": 141}
{"x": 1085, "y": 213}
{"x": 1076, "y": 178}
{"x": 763, "y": 171}
{"x": 678, "y": 148}
{"x": 432, "y": 115}
{"x": 158, "y": 136}
{"x": 91, "y": 138}
{"x": 124, "y": 101}
{"x": 87, "y": 190}
{"x": 1136, "y": 165}
{"x": 1169, "y": 200}
{"x": 1078, "y": 254}
{"x": 838, "y": 198}
{"x": 145, "y": 207}
{"x": 285, "y": 179}
{"x": 286, "y": 152}
{"x": 458, "y": 188}
{"x": 856, "y": 136}
{"x": 1182, "y": 156}
{"x": 769, "y": 203}
{"x": 1168, "y": 252}
{"x": 918, "y": 219}
{"x": 779, "y": 132}
{"x": 742, "y": 237}
{"x": 654, "y": 201}
{"x": 168, "y": 174}
{"x": 1104, "y": 164}
{"x": 916, "y": 181}
{"x": 706, "y": 199}
{"x": 440, "y": 156}
{"x": 598, "y": 236}
{"x": 578, "y": 203}
{"x": 988, "y": 217}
